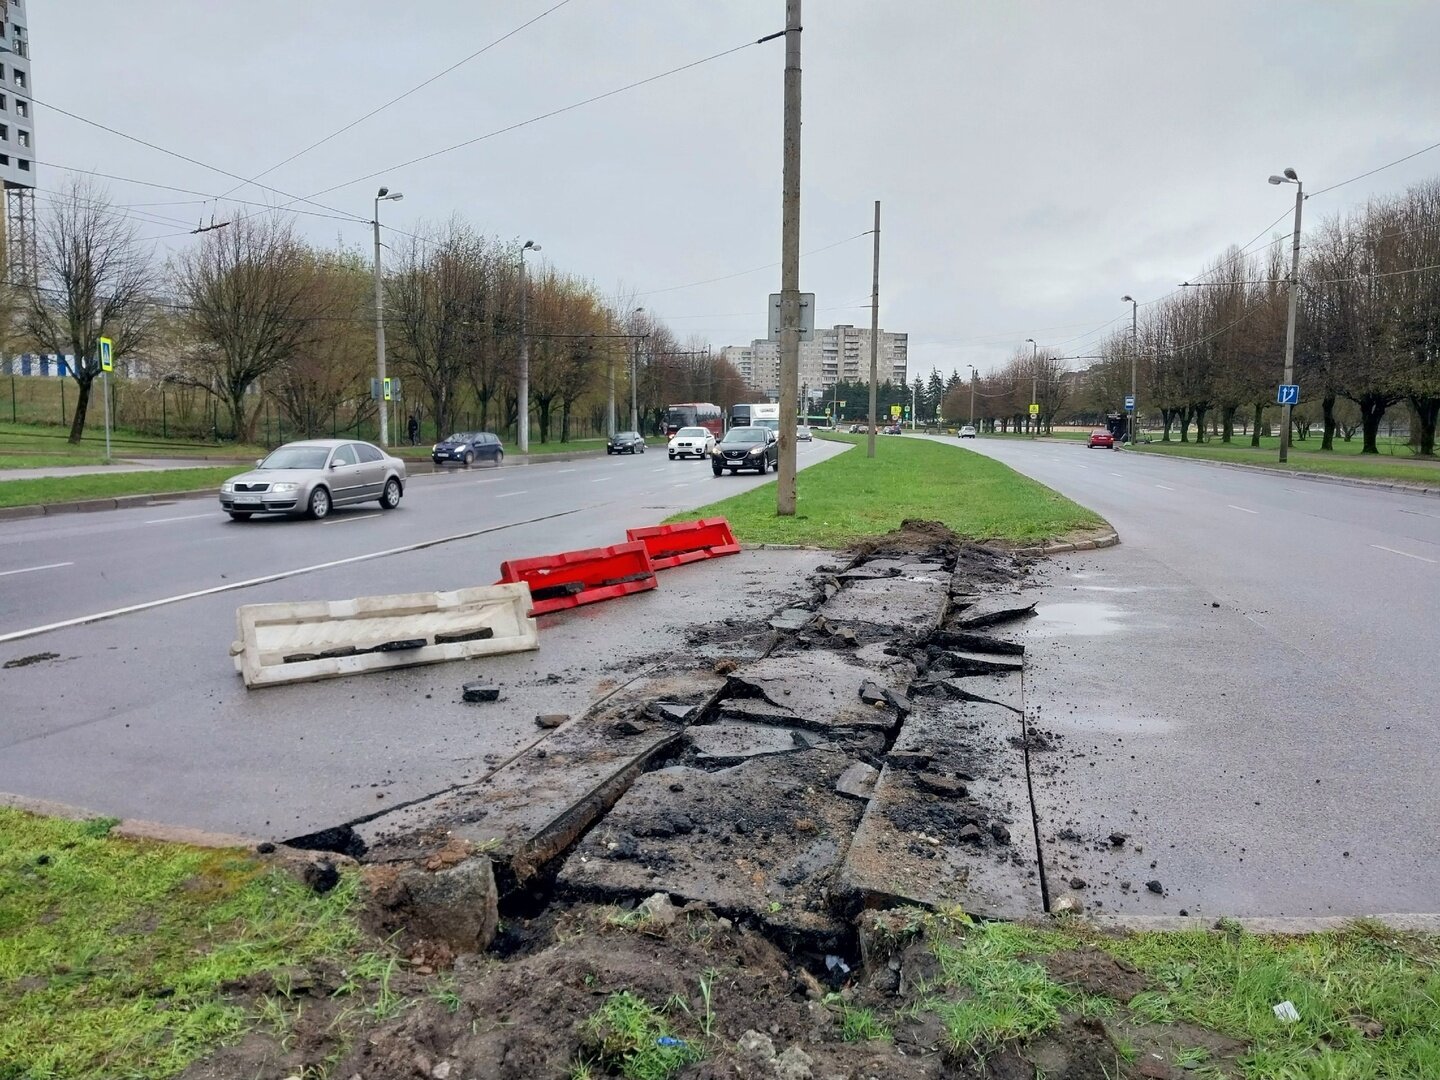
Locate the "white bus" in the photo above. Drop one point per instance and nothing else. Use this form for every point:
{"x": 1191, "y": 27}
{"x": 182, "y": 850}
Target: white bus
{"x": 762, "y": 414}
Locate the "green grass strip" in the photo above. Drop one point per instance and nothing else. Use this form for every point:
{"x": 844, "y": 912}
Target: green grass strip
{"x": 1344, "y": 460}
{"x": 60, "y": 489}
{"x": 850, "y": 497}
{"x": 114, "y": 953}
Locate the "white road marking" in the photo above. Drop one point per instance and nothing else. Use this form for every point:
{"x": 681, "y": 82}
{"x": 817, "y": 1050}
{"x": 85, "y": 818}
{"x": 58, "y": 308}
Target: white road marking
{"x": 32, "y": 569}
{"x": 1162, "y": 487}
{"x": 660, "y": 469}
{"x": 511, "y": 494}
{"x": 562, "y": 472}
{"x": 492, "y": 480}
{"x": 347, "y": 520}
{"x": 600, "y": 479}
{"x": 685, "y": 484}
{"x": 230, "y": 586}
{"x": 1082, "y": 466}
{"x": 1117, "y": 474}
{"x": 1421, "y": 513}
{"x": 1243, "y": 509}
{"x": 187, "y": 517}
{"x": 1395, "y": 551}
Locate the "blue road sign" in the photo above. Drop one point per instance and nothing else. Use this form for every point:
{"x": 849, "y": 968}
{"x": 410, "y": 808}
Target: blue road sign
{"x": 1288, "y": 394}
{"x": 1129, "y": 401}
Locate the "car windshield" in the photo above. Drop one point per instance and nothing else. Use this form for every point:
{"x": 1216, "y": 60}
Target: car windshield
{"x": 628, "y": 435}
{"x": 462, "y": 436}
{"x": 746, "y": 435}
{"x": 692, "y": 432}
{"x": 297, "y": 457}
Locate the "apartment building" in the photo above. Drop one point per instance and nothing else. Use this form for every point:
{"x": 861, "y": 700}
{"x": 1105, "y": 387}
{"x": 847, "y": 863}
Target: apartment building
{"x": 835, "y": 354}
{"x": 17, "y": 120}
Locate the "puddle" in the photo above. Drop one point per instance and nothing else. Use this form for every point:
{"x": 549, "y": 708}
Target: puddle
{"x": 1081, "y": 619}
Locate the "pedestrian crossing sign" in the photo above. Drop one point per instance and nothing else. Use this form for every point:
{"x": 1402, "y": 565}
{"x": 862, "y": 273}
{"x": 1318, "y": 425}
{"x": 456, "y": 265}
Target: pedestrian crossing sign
{"x": 107, "y": 354}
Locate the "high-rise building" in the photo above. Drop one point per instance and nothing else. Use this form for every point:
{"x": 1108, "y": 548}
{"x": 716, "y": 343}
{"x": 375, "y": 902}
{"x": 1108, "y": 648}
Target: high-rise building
{"x": 835, "y": 354}
{"x": 17, "y": 139}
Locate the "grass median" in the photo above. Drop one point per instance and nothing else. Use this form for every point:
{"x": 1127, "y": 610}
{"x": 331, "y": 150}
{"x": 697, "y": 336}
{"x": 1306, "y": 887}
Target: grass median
{"x": 850, "y": 497}
{"x": 63, "y": 489}
{"x": 1395, "y": 463}
{"x": 120, "y": 957}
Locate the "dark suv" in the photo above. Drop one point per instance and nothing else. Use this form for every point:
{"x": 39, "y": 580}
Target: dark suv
{"x": 746, "y": 448}
{"x": 625, "y": 442}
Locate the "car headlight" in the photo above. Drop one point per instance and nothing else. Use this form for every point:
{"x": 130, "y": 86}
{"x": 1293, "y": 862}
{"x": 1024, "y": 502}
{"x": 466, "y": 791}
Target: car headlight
{"x": 284, "y": 487}
{"x": 228, "y": 487}
{"x": 758, "y": 450}
{"x": 434, "y": 448}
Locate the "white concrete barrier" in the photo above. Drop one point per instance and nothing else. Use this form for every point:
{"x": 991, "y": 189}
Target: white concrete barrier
{"x": 325, "y": 639}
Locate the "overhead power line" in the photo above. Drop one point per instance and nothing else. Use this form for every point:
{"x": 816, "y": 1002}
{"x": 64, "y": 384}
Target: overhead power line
{"x": 398, "y": 98}
{"x": 1372, "y": 172}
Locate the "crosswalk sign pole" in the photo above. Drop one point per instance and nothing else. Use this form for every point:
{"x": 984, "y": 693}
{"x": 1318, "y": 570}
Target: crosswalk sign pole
{"x": 107, "y": 364}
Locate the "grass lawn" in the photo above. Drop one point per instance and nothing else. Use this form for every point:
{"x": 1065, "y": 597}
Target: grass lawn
{"x": 114, "y": 954}
{"x": 1394, "y": 462}
{"x": 851, "y": 496}
{"x": 39, "y": 440}
{"x": 108, "y": 486}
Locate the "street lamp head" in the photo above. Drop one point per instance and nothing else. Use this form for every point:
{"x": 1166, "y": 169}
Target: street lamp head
{"x": 1030, "y": 340}
{"x": 1276, "y": 179}
{"x": 530, "y": 245}
{"x": 382, "y": 193}
{"x": 1290, "y": 175}
{"x": 1127, "y": 299}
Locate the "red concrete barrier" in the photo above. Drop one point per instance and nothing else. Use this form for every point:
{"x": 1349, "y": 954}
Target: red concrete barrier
{"x": 573, "y": 578}
{"x": 686, "y": 541}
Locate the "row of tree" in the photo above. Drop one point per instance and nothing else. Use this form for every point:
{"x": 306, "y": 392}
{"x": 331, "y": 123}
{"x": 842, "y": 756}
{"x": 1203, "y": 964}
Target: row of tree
{"x": 253, "y": 314}
{"x": 1367, "y": 339}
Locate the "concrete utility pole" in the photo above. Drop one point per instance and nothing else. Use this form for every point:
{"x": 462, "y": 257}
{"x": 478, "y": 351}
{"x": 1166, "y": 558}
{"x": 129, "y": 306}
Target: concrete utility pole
{"x": 874, "y": 334}
{"x": 1289, "y": 177}
{"x": 1034, "y": 382}
{"x": 384, "y": 195}
{"x": 972, "y": 393}
{"x": 610, "y": 407}
{"x": 635, "y": 371}
{"x": 1134, "y": 360}
{"x": 790, "y": 265}
{"x": 522, "y": 420}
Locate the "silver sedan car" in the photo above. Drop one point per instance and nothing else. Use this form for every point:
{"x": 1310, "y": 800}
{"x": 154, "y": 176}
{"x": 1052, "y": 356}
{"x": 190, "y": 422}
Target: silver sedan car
{"x": 313, "y": 476}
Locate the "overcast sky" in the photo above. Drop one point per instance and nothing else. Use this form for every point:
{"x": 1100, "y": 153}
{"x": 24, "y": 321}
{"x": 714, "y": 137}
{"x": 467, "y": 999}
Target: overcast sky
{"x": 1034, "y": 160}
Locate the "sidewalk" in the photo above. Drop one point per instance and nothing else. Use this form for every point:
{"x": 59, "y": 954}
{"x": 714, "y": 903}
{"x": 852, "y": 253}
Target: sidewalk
{"x": 121, "y": 465}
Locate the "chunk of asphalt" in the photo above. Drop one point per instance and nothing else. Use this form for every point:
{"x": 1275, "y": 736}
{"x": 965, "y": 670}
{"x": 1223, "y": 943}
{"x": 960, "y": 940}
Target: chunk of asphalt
{"x": 969, "y": 663}
{"x": 757, "y": 710}
{"x": 400, "y": 645}
{"x": 992, "y": 611}
{"x": 727, "y": 743}
{"x": 674, "y": 712}
{"x": 341, "y": 839}
{"x": 816, "y": 687}
{"x": 943, "y": 786}
{"x": 551, "y": 720}
{"x": 996, "y": 689}
{"x": 478, "y": 691}
{"x": 965, "y": 641}
{"x": 871, "y": 694}
{"x": 555, "y": 592}
{"x": 791, "y": 619}
{"x": 858, "y": 781}
{"x": 479, "y": 633}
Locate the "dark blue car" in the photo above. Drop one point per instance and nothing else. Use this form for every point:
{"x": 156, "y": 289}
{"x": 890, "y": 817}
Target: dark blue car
{"x": 468, "y": 447}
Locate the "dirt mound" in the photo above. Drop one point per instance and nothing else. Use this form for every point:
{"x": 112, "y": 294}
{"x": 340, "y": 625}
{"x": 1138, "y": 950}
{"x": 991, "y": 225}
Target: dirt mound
{"x": 914, "y": 537}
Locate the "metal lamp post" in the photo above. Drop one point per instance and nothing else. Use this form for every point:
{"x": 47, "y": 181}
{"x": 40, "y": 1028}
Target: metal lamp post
{"x": 1134, "y": 357}
{"x": 973, "y": 373}
{"x": 1289, "y": 177}
{"x": 522, "y": 421}
{"x": 384, "y": 195}
{"x": 1034, "y": 382}
{"x": 634, "y": 372}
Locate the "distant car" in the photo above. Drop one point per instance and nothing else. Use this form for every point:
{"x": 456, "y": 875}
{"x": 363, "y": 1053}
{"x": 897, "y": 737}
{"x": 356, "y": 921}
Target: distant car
{"x": 691, "y": 440}
{"x": 1100, "y": 437}
{"x": 468, "y": 447}
{"x": 312, "y": 477}
{"x": 746, "y": 448}
{"x": 803, "y": 434}
{"x": 857, "y": 429}
{"x": 894, "y": 429}
{"x": 626, "y": 442}
{"x": 967, "y": 432}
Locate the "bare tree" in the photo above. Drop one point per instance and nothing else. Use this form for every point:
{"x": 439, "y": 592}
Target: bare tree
{"x": 94, "y": 280}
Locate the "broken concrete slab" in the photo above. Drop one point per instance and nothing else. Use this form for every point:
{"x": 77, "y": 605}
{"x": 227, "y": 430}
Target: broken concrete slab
{"x": 927, "y": 838}
{"x": 970, "y": 663}
{"x": 729, "y": 743}
{"x": 764, "y": 841}
{"x": 534, "y": 807}
{"x": 1000, "y": 688}
{"x": 902, "y": 605}
{"x": 300, "y": 642}
{"x": 791, "y": 619}
{"x": 991, "y": 611}
{"x": 815, "y": 689}
{"x": 858, "y": 781}
{"x": 967, "y": 641}
{"x": 456, "y": 905}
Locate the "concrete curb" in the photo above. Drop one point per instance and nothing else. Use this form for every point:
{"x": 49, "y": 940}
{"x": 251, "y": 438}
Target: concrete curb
{"x": 1262, "y": 924}
{"x": 123, "y": 502}
{"x": 130, "y": 828}
{"x": 1104, "y": 540}
{"x": 1319, "y": 478}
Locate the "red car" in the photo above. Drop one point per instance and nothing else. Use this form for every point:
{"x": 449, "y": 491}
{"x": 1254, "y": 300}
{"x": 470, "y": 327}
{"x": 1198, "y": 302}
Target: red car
{"x": 1101, "y": 438}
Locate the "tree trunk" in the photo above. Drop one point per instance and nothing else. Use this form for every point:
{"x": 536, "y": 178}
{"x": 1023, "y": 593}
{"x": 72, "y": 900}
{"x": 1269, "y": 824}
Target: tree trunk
{"x": 1167, "y": 417}
{"x": 1327, "y": 406}
{"x": 1227, "y": 422}
{"x": 1259, "y": 417}
{"x": 82, "y": 404}
{"x": 1200, "y": 411}
{"x": 1372, "y": 411}
{"x": 1186, "y": 415}
{"x": 1427, "y": 410}
{"x": 542, "y": 406}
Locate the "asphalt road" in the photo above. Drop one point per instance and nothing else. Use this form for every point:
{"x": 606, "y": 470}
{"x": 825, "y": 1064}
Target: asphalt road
{"x": 1251, "y": 679}
{"x": 142, "y": 714}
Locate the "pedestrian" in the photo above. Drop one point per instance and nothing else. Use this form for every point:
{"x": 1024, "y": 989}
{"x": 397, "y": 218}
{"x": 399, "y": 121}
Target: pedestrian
{"x": 414, "y": 430}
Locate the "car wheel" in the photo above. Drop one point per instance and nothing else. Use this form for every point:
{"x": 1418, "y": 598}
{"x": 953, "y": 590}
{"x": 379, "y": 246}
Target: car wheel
{"x": 499, "y": 456}
{"x": 240, "y": 515}
{"x": 609, "y": 450}
{"x": 672, "y": 457}
{"x": 469, "y": 458}
{"x": 642, "y": 447}
{"x": 319, "y": 503}
{"x": 391, "y": 498}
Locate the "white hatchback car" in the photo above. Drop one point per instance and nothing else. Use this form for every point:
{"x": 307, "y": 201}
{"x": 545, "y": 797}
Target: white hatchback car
{"x": 691, "y": 440}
